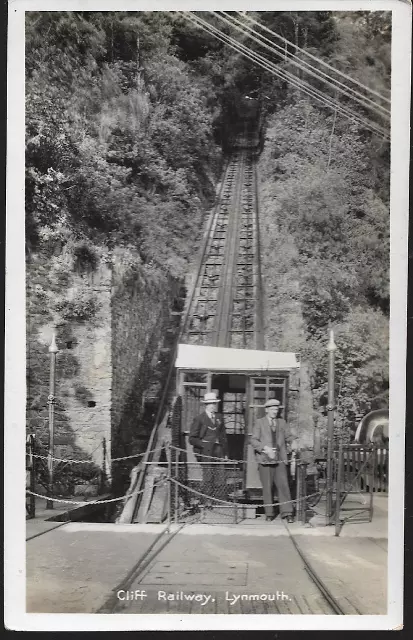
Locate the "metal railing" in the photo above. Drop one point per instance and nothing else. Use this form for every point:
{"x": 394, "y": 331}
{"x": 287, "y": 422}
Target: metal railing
{"x": 30, "y": 476}
{"x": 362, "y": 478}
{"x": 213, "y": 489}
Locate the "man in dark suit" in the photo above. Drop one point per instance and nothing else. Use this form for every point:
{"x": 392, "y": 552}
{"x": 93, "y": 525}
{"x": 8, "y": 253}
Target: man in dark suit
{"x": 268, "y": 441}
{"x": 209, "y": 440}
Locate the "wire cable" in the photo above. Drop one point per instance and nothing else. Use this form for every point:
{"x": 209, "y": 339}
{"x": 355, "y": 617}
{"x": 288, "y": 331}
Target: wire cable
{"x": 264, "y": 63}
{"x": 300, "y": 84}
{"x": 316, "y": 73}
{"x": 303, "y": 86}
{"x": 315, "y": 58}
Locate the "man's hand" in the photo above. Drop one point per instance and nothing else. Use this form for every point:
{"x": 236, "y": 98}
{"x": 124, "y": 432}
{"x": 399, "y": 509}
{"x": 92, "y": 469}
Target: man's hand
{"x": 269, "y": 452}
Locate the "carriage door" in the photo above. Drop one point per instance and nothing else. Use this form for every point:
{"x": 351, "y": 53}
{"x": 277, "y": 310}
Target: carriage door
{"x": 260, "y": 390}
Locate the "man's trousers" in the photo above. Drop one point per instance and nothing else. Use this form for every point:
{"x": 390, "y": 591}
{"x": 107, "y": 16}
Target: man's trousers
{"x": 275, "y": 475}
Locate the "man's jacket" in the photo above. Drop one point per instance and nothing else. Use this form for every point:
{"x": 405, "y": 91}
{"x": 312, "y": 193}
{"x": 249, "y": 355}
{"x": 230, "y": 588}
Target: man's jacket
{"x": 199, "y": 429}
{"x": 262, "y": 436}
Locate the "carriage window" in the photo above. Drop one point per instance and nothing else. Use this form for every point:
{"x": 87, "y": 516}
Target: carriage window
{"x": 233, "y": 410}
{"x": 263, "y": 389}
{"x": 195, "y": 377}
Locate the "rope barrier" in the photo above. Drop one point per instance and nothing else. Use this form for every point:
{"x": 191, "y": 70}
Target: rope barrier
{"x": 135, "y": 455}
{"x": 233, "y": 503}
{"x": 135, "y": 493}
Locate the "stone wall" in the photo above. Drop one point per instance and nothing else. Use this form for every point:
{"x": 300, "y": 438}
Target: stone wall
{"x": 107, "y": 364}
{"x": 89, "y": 396}
{"x": 83, "y": 368}
{"x": 142, "y": 301}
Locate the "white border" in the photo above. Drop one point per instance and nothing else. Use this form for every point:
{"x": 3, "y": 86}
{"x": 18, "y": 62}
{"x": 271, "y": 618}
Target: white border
{"x": 15, "y": 616}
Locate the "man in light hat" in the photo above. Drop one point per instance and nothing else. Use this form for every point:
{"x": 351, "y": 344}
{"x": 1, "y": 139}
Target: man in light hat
{"x": 268, "y": 440}
{"x": 209, "y": 440}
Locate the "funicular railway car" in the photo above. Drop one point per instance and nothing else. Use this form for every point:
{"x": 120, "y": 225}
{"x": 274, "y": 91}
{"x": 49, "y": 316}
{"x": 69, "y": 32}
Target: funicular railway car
{"x": 243, "y": 380}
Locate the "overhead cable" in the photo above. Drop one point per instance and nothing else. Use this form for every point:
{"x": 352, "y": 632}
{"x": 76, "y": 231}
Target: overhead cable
{"x": 268, "y": 66}
{"x": 272, "y": 68}
{"x": 316, "y": 73}
{"x": 315, "y": 58}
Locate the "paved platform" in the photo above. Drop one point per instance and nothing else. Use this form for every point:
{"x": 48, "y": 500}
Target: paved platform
{"x": 74, "y": 568}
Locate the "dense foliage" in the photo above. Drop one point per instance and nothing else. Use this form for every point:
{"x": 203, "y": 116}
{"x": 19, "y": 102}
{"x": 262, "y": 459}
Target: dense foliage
{"x": 126, "y": 114}
{"x": 120, "y": 147}
{"x": 325, "y": 195}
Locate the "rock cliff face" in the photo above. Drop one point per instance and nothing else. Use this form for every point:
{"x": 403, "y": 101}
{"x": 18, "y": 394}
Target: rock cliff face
{"x": 106, "y": 365}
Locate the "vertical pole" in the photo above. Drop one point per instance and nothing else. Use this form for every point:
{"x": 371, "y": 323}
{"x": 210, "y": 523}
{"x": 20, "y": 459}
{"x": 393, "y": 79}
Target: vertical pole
{"x": 298, "y": 490}
{"x": 372, "y": 482}
{"x": 338, "y": 487}
{"x": 51, "y": 402}
{"x": 331, "y": 348}
{"x": 103, "y": 475}
{"x": 169, "y": 454}
{"x": 177, "y": 455}
{"x": 304, "y": 493}
{"x": 32, "y": 471}
{"x": 234, "y": 494}
{"x": 317, "y": 441}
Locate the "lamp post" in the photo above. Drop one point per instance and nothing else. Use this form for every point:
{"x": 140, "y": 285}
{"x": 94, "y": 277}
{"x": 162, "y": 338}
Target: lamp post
{"x": 51, "y": 402}
{"x": 331, "y": 348}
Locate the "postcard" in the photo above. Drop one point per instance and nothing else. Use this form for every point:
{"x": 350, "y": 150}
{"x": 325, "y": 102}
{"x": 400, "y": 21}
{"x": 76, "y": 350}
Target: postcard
{"x": 207, "y": 222}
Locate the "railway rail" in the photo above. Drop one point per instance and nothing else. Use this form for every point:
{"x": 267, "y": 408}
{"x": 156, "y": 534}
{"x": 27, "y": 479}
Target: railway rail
{"x": 225, "y": 308}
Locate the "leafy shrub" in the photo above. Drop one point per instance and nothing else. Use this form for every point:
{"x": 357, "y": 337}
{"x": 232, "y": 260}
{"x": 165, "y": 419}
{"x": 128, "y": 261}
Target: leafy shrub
{"x": 81, "y": 308}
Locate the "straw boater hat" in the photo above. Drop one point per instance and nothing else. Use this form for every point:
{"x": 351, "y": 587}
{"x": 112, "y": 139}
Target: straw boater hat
{"x": 209, "y": 398}
{"x": 273, "y": 403}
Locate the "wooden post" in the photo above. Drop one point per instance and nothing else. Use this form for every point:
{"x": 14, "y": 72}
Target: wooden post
{"x": 103, "y": 474}
{"x": 298, "y": 490}
{"x": 31, "y": 468}
{"x": 234, "y": 496}
{"x": 317, "y": 441}
{"x": 331, "y": 348}
{"x": 169, "y": 455}
{"x": 177, "y": 455}
{"x": 372, "y": 481}
{"x": 51, "y": 402}
{"x": 338, "y": 488}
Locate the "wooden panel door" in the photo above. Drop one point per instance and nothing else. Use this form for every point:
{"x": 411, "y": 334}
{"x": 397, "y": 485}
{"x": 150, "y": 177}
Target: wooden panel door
{"x": 260, "y": 389}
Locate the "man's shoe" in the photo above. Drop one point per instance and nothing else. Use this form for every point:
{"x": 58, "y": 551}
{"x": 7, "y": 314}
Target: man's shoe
{"x": 269, "y": 518}
{"x": 289, "y": 519}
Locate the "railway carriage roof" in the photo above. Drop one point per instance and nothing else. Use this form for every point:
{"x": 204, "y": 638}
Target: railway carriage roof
{"x": 225, "y": 359}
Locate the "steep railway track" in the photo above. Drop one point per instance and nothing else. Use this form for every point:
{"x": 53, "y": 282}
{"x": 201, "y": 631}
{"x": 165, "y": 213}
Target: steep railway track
{"x": 225, "y": 308}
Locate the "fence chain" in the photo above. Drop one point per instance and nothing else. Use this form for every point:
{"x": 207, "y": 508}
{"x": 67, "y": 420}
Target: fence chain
{"x": 128, "y": 495}
{"x": 233, "y": 503}
{"x": 135, "y": 455}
